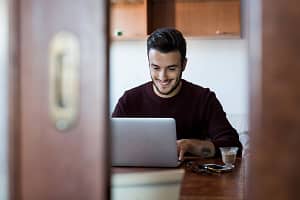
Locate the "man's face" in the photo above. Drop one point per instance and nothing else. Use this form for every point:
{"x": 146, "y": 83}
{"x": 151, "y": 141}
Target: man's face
{"x": 166, "y": 71}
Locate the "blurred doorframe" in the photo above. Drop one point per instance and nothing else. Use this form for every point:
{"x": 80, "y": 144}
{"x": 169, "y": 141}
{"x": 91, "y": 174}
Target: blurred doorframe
{"x": 274, "y": 46}
{"x": 5, "y": 97}
{"x": 14, "y": 98}
{"x": 14, "y": 101}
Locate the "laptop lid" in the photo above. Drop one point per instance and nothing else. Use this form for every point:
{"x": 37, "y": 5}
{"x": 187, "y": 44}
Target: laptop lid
{"x": 144, "y": 142}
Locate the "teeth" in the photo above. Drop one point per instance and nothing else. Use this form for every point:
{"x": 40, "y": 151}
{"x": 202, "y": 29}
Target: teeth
{"x": 164, "y": 83}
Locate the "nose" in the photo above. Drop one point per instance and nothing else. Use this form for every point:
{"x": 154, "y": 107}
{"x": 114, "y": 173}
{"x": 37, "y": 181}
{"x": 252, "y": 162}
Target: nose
{"x": 162, "y": 75}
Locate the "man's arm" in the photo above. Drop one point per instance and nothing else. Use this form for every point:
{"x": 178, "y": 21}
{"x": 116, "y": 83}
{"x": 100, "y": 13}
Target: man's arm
{"x": 219, "y": 129}
{"x": 119, "y": 110}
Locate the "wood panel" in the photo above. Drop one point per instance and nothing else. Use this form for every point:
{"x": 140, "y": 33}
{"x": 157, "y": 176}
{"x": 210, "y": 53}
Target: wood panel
{"x": 208, "y": 18}
{"x": 275, "y": 113}
{"x": 71, "y": 164}
{"x": 128, "y": 20}
{"x": 197, "y": 18}
{"x": 204, "y": 15}
{"x": 229, "y": 18}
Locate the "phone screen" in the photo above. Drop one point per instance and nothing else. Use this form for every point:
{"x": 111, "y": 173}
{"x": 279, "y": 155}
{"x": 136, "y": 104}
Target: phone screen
{"x": 216, "y": 167}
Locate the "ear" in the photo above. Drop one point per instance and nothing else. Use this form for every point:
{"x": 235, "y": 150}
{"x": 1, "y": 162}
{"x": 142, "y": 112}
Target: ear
{"x": 184, "y": 64}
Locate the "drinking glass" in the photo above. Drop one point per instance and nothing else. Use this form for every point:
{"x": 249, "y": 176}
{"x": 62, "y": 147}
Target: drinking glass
{"x": 229, "y": 155}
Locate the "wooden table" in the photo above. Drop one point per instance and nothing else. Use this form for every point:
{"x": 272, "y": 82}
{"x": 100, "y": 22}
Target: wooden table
{"x": 220, "y": 186}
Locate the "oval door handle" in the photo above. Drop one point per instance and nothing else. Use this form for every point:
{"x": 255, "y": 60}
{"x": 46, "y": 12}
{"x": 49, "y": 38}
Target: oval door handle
{"x": 64, "y": 58}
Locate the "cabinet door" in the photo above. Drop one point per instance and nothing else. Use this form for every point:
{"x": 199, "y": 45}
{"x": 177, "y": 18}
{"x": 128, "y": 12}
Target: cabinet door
{"x": 229, "y": 18}
{"x": 208, "y": 18}
{"x": 128, "y": 19}
{"x": 70, "y": 163}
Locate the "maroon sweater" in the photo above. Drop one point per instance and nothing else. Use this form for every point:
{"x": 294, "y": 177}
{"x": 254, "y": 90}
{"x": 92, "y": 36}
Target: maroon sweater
{"x": 197, "y": 111}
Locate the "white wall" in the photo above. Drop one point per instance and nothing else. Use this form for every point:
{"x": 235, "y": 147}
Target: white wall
{"x": 3, "y": 99}
{"x": 220, "y": 65}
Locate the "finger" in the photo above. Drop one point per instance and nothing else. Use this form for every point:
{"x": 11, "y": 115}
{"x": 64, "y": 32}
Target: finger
{"x": 181, "y": 154}
{"x": 178, "y": 146}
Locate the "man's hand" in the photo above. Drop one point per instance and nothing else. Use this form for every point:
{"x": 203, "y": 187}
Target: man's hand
{"x": 202, "y": 148}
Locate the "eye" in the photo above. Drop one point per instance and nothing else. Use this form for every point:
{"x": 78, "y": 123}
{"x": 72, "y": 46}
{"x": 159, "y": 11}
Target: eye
{"x": 172, "y": 68}
{"x": 156, "y": 68}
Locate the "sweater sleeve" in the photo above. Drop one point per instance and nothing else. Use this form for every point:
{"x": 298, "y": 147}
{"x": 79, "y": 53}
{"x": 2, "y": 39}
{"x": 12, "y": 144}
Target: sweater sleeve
{"x": 221, "y": 132}
{"x": 119, "y": 110}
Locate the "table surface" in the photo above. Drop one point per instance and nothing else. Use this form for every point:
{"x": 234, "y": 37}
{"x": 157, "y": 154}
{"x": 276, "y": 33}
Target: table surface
{"x": 208, "y": 186}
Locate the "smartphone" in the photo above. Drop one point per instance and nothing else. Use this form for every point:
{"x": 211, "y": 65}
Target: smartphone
{"x": 216, "y": 167}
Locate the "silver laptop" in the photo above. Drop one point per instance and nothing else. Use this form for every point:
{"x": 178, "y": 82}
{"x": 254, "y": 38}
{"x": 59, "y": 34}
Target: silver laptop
{"x": 144, "y": 142}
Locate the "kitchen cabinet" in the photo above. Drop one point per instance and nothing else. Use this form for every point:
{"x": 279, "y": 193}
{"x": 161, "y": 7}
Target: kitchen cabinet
{"x": 133, "y": 19}
{"x": 128, "y": 19}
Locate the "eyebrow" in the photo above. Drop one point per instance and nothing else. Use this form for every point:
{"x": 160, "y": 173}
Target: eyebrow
{"x": 166, "y": 66}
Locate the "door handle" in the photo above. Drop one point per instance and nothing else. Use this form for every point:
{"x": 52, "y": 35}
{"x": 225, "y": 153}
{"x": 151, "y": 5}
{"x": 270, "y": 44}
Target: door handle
{"x": 64, "y": 78}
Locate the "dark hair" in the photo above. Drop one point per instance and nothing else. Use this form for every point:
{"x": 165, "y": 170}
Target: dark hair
{"x": 166, "y": 40}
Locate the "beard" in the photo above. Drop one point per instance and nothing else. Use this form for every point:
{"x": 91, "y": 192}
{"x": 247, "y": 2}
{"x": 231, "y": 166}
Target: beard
{"x": 176, "y": 85}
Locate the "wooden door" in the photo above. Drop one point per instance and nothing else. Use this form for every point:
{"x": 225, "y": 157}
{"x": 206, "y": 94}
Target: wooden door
{"x": 274, "y": 46}
{"x": 50, "y": 163}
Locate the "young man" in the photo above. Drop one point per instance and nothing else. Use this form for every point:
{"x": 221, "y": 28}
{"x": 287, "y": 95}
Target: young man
{"x": 201, "y": 123}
